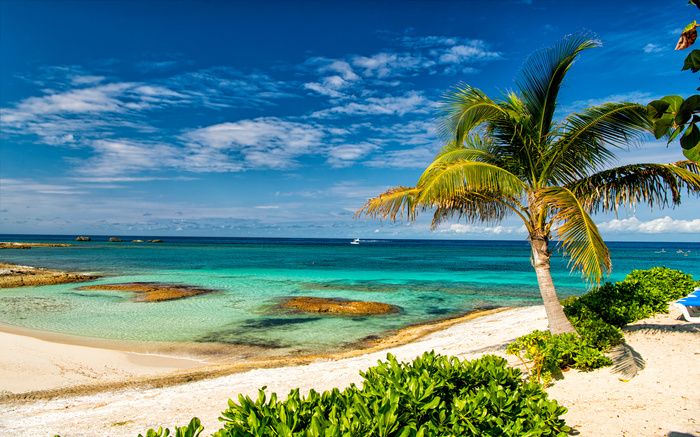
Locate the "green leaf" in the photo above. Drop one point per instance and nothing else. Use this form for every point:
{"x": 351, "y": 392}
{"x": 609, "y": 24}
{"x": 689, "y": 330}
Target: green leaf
{"x": 691, "y": 138}
{"x": 690, "y": 26}
{"x": 692, "y": 154}
{"x": 674, "y": 101}
{"x": 657, "y": 109}
{"x": 694, "y": 2}
{"x": 675, "y": 134}
{"x": 690, "y": 106}
{"x": 692, "y": 61}
{"x": 662, "y": 127}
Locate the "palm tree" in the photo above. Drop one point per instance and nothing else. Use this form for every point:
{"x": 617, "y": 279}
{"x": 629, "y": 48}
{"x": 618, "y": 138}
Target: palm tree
{"x": 511, "y": 157}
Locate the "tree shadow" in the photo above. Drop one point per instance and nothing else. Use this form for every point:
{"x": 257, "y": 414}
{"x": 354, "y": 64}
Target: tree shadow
{"x": 693, "y": 328}
{"x": 680, "y": 434}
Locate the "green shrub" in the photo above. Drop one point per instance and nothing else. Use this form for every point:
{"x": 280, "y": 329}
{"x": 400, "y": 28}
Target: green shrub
{"x": 431, "y": 397}
{"x": 548, "y": 353}
{"x": 641, "y": 294}
{"x": 598, "y": 316}
{"x": 661, "y": 285}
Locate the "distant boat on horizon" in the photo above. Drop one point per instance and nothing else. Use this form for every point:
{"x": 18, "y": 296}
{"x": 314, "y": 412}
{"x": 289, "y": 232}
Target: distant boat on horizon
{"x": 355, "y": 241}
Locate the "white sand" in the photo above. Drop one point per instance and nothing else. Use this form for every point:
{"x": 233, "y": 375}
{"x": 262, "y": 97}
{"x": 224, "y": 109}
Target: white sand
{"x": 663, "y": 400}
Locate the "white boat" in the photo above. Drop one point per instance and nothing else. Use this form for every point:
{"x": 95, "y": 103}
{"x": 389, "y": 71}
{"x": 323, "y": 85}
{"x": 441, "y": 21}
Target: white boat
{"x": 355, "y": 241}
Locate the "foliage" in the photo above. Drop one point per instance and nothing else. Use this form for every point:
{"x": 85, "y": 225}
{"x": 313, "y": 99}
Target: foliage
{"x": 432, "y": 396}
{"x": 673, "y": 115}
{"x": 598, "y": 316}
{"x": 641, "y": 294}
{"x": 509, "y": 156}
{"x": 548, "y": 353}
{"x": 193, "y": 429}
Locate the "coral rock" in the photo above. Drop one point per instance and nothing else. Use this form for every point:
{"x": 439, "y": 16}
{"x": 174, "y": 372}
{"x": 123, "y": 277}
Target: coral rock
{"x": 340, "y": 306}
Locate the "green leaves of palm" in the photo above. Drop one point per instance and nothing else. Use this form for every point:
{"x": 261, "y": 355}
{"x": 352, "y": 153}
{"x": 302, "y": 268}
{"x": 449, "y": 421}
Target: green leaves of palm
{"x": 508, "y": 156}
{"x": 577, "y": 232}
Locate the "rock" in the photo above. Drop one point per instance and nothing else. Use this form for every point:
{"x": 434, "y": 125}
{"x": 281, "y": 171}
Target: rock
{"x": 81, "y": 238}
{"x": 30, "y": 245}
{"x": 14, "y": 246}
{"x": 154, "y": 241}
{"x": 21, "y": 276}
{"x": 340, "y": 306}
{"x": 152, "y": 291}
{"x": 137, "y": 241}
{"x": 115, "y": 240}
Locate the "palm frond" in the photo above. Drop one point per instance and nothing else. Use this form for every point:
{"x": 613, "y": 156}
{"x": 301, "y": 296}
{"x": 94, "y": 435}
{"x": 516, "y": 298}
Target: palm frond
{"x": 655, "y": 184}
{"x": 391, "y": 204}
{"x": 585, "y": 147}
{"x": 577, "y": 233}
{"x": 463, "y": 109}
{"x": 474, "y": 148}
{"x": 450, "y": 179}
{"x": 543, "y": 74}
{"x": 483, "y": 207}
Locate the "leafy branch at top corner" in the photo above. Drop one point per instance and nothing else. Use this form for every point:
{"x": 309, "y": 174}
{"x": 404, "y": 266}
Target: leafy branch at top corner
{"x": 673, "y": 115}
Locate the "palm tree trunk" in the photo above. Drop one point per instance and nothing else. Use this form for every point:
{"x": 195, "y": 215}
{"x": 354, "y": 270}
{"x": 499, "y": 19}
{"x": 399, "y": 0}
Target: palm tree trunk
{"x": 558, "y": 322}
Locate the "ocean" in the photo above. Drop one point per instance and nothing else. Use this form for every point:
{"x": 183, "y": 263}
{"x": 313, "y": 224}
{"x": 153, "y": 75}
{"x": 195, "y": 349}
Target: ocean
{"x": 428, "y": 279}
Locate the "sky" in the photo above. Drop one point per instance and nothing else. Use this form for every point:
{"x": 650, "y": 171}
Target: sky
{"x": 281, "y": 118}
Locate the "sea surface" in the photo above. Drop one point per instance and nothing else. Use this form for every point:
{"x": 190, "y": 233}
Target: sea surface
{"x": 428, "y": 279}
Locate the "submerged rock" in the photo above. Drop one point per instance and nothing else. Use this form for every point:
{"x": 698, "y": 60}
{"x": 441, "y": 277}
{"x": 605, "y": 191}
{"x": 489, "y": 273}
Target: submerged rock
{"x": 152, "y": 291}
{"x": 9, "y": 245}
{"x": 340, "y": 306}
{"x": 20, "y": 276}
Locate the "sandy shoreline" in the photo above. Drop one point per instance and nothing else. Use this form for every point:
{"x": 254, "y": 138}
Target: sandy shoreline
{"x": 44, "y": 364}
{"x": 661, "y": 401}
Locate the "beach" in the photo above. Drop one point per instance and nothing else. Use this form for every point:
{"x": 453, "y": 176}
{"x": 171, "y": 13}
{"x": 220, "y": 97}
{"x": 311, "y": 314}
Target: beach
{"x": 660, "y": 401}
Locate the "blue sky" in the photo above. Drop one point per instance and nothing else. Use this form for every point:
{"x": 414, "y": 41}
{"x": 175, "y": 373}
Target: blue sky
{"x": 281, "y": 118}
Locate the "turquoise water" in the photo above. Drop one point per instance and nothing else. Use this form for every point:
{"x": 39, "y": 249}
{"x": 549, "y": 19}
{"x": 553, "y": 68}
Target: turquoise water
{"x": 429, "y": 280}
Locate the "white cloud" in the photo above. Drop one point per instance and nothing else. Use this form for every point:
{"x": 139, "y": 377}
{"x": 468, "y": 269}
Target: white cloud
{"x": 634, "y": 96}
{"x": 383, "y": 65}
{"x": 86, "y": 80}
{"x": 411, "y": 102}
{"x": 665, "y": 225}
{"x": 474, "y": 229}
{"x": 345, "y": 155}
{"x": 118, "y": 157}
{"x": 260, "y": 143}
{"x": 419, "y": 157}
{"x": 653, "y": 48}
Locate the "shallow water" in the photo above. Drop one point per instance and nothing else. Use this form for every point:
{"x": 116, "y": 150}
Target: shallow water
{"x": 429, "y": 280}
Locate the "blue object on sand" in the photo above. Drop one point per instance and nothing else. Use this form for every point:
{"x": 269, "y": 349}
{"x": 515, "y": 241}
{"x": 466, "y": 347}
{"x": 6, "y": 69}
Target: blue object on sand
{"x": 690, "y": 306}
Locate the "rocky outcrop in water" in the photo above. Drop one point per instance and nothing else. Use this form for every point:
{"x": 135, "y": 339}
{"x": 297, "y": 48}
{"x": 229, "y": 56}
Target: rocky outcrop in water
{"x": 7, "y": 245}
{"x": 340, "y": 306}
{"x": 115, "y": 240}
{"x": 81, "y": 238}
{"x": 152, "y": 291}
{"x": 21, "y": 276}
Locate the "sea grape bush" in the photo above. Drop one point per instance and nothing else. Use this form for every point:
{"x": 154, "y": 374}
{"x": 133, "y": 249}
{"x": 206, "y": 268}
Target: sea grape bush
{"x": 598, "y": 316}
{"x": 641, "y": 294}
{"x": 547, "y": 354}
{"x": 193, "y": 429}
{"x": 432, "y": 396}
